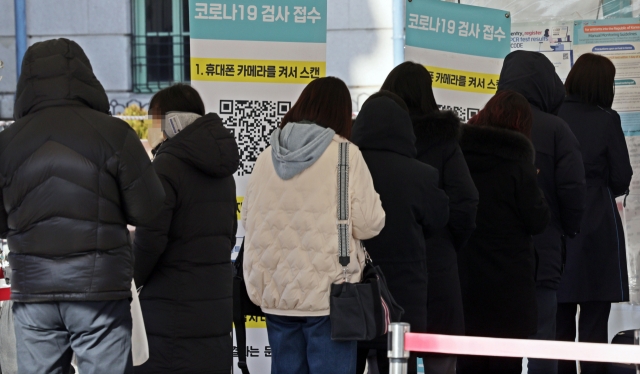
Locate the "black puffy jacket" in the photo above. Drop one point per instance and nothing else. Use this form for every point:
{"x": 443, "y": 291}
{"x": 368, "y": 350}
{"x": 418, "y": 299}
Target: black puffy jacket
{"x": 72, "y": 177}
{"x": 183, "y": 257}
{"x": 558, "y": 157}
{"x": 410, "y": 198}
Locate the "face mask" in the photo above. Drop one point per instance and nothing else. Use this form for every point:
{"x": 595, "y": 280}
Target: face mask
{"x": 154, "y": 136}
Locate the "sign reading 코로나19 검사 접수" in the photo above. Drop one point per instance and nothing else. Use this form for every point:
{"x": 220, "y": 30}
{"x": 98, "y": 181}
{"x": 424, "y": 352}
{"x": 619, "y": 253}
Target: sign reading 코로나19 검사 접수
{"x": 250, "y": 60}
{"x": 463, "y": 48}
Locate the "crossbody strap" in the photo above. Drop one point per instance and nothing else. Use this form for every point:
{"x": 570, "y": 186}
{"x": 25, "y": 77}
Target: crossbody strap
{"x": 343, "y": 205}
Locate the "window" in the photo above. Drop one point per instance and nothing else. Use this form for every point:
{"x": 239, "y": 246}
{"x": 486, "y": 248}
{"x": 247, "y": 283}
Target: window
{"x": 160, "y": 44}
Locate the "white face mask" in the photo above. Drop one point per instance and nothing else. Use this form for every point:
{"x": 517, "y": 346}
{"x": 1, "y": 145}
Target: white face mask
{"x": 154, "y": 136}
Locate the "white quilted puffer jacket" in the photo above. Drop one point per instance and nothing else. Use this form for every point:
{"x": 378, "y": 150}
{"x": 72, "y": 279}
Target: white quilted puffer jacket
{"x": 291, "y": 240}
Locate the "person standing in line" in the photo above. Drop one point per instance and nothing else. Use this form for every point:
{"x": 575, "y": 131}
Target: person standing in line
{"x": 497, "y": 266}
{"x": 183, "y": 256}
{"x": 437, "y": 133}
{"x": 289, "y": 214}
{"x": 72, "y": 177}
{"x": 596, "y": 269}
{"x": 413, "y": 203}
{"x": 561, "y": 178}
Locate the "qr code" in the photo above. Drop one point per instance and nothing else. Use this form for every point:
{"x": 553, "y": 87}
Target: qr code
{"x": 465, "y": 114}
{"x": 252, "y": 122}
{"x": 565, "y": 56}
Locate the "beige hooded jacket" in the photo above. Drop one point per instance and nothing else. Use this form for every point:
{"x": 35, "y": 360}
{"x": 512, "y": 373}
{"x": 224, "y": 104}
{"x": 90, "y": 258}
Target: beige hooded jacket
{"x": 291, "y": 240}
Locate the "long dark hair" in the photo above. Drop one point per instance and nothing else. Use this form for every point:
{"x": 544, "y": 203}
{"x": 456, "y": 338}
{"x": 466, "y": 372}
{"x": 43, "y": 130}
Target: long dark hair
{"x": 325, "y": 102}
{"x": 177, "y": 98}
{"x": 592, "y": 78}
{"x": 412, "y": 82}
{"x": 508, "y": 110}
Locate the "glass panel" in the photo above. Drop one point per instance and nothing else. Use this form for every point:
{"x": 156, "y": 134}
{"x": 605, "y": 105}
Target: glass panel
{"x": 185, "y": 59}
{"x": 158, "y": 15}
{"x": 159, "y": 59}
{"x": 185, "y": 15}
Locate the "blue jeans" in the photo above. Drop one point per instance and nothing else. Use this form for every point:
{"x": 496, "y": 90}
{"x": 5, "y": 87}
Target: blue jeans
{"x": 303, "y": 345}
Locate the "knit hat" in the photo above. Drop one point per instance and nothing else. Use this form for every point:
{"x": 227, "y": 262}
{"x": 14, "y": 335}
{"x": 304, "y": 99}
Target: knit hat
{"x": 174, "y": 122}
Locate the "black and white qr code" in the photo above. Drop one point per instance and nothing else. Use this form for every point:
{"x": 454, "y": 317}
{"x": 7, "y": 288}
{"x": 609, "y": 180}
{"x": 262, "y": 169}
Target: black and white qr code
{"x": 464, "y": 114}
{"x": 252, "y": 122}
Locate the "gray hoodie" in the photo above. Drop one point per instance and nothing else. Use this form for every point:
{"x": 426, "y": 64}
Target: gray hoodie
{"x": 297, "y": 146}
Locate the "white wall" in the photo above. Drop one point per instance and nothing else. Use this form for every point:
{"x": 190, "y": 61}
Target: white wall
{"x": 359, "y": 44}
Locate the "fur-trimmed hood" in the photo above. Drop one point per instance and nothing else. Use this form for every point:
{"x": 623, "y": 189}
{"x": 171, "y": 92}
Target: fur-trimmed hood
{"x": 491, "y": 141}
{"x": 440, "y": 126}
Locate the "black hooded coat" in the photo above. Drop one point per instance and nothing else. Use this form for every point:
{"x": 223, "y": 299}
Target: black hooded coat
{"x": 497, "y": 266}
{"x": 410, "y": 198}
{"x": 596, "y": 267}
{"x": 72, "y": 177}
{"x": 558, "y": 157}
{"x": 183, "y": 257}
{"x": 437, "y": 136}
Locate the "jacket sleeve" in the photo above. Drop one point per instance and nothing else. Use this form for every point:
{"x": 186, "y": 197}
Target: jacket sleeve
{"x": 532, "y": 207}
{"x": 141, "y": 190}
{"x": 570, "y": 180}
{"x": 620, "y": 171}
{"x": 367, "y": 215}
{"x": 463, "y": 196}
{"x": 436, "y": 207}
{"x": 151, "y": 239}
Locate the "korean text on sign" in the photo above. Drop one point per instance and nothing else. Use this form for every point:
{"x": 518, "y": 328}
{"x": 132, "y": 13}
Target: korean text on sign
{"x": 462, "y": 28}
{"x": 265, "y": 13}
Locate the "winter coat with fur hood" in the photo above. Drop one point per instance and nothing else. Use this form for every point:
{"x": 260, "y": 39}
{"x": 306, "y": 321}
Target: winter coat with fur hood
{"x": 291, "y": 240}
{"x": 497, "y": 266}
{"x": 437, "y": 136}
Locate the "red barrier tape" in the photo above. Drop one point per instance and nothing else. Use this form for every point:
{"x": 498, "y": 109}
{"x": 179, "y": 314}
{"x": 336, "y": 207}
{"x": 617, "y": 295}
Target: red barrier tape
{"x": 5, "y": 293}
{"x": 554, "y": 350}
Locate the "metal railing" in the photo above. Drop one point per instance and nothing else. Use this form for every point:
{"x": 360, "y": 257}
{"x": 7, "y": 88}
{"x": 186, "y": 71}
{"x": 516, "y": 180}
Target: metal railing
{"x": 402, "y": 341}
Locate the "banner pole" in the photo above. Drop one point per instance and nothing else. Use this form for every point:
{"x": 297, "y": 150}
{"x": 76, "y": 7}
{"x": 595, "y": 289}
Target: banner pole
{"x": 398, "y": 356}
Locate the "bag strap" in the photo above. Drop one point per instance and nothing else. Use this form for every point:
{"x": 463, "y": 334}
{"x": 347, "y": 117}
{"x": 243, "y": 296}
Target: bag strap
{"x": 238, "y": 315}
{"x": 343, "y": 205}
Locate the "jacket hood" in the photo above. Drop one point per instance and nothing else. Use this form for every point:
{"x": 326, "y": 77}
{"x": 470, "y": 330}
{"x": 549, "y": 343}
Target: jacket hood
{"x": 297, "y": 146}
{"x": 436, "y": 126}
{"x": 532, "y": 75}
{"x": 383, "y": 125}
{"x": 206, "y": 145}
{"x": 491, "y": 141}
{"x": 57, "y": 72}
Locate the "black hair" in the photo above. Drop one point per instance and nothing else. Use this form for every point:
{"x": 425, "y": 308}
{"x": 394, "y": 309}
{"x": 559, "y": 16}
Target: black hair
{"x": 592, "y": 78}
{"x": 388, "y": 94}
{"x": 177, "y": 98}
{"x": 412, "y": 82}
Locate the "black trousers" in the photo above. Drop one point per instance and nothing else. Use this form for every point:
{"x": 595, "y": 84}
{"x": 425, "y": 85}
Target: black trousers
{"x": 489, "y": 365}
{"x": 592, "y": 328}
{"x": 547, "y": 314}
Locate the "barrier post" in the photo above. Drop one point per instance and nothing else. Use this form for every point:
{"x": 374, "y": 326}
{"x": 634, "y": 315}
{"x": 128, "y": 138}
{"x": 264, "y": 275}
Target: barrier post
{"x": 636, "y": 341}
{"x": 398, "y": 356}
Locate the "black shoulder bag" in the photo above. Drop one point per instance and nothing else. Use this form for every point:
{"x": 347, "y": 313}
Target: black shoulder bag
{"x": 242, "y": 306}
{"x": 364, "y": 310}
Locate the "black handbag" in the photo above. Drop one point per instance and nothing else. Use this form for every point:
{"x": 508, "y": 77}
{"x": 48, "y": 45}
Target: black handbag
{"x": 364, "y": 310}
{"x": 242, "y": 306}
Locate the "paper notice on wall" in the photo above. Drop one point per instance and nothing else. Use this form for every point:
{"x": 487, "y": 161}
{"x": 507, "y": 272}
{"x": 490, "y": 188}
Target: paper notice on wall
{"x": 553, "y": 39}
{"x": 618, "y": 40}
{"x": 463, "y": 48}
